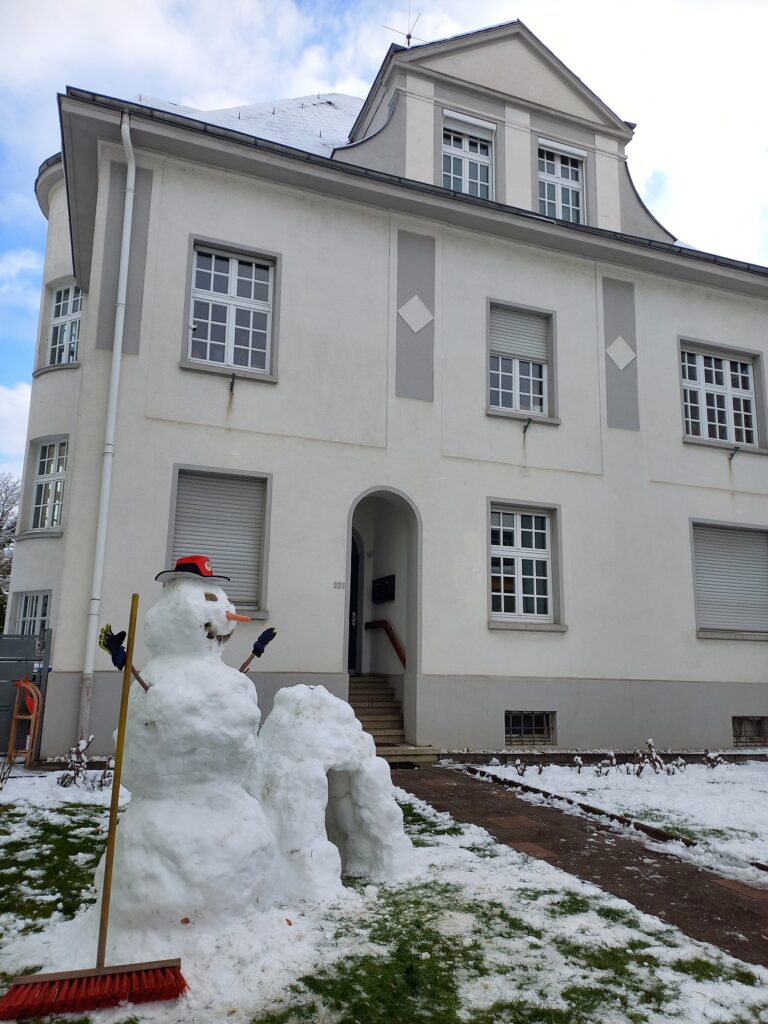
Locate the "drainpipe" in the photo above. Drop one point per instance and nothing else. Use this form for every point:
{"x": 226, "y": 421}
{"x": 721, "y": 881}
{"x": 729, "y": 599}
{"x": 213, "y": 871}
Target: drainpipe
{"x": 86, "y": 680}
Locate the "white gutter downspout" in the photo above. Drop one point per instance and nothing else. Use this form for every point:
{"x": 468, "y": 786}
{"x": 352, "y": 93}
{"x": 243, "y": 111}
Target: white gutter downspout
{"x": 86, "y": 681}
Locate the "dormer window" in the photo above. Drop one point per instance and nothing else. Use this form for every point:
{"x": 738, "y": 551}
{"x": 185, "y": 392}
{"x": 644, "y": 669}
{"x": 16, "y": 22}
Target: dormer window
{"x": 468, "y": 156}
{"x": 561, "y": 183}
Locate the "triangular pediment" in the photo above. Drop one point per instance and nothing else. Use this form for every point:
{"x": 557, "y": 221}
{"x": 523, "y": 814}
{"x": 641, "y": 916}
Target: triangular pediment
{"x": 511, "y": 61}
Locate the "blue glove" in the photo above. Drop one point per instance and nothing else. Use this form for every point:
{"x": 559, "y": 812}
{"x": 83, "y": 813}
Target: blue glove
{"x": 266, "y": 637}
{"x": 112, "y": 643}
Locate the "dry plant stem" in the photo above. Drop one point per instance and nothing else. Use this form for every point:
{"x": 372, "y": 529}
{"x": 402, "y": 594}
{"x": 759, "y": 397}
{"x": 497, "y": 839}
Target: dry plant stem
{"x": 111, "y": 836}
{"x": 247, "y": 662}
{"x": 137, "y": 677}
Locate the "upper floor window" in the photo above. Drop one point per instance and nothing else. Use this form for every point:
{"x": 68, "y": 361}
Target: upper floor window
{"x": 467, "y": 163}
{"x": 232, "y": 299}
{"x": 66, "y": 309}
{"x": 718, "y": 397}
{"x": 518, "y": 357}
{"x": 561, "y": 185}
{"x": 50, "y": 473}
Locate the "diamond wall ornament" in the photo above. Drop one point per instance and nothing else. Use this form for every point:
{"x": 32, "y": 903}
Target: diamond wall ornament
{"x": 620, "y": 352}
{"x": 415, "y": 314}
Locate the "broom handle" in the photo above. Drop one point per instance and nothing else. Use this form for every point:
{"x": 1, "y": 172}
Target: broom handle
{"x": 112, "y": 833}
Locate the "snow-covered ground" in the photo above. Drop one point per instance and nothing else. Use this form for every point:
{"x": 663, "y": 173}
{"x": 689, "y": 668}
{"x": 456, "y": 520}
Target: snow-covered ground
{"x": 724, "y": 809}
{"x": 478, "y": 932}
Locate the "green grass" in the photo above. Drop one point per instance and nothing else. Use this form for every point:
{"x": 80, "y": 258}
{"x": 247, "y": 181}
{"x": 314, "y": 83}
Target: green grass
{"x": 48, "y": 864}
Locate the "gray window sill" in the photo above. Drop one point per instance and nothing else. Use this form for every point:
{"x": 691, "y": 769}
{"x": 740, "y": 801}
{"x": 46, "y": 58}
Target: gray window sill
{"x": 529, "y": 627}
{"x": 239, "y": 372}
{"x": 29, "y": 534}
{"x": 731, "y": 634}
{"x": 512, "y": 414}
{"x": 244, "y": 609}
{"x": 55, "y": 366}
{"x": 706, "y": 442}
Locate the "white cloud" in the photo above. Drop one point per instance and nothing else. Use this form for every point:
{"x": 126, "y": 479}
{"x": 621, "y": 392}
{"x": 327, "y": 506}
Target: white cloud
{"x": 14, "y": 413}
{"x": 690, "y": 72}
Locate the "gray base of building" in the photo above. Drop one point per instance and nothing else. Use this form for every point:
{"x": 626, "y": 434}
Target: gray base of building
{"x": 458, "y": 712}
{"x": 455, "y": 712}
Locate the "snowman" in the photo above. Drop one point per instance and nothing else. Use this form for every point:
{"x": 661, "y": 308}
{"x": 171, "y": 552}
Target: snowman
{"x": 193, "y": 846}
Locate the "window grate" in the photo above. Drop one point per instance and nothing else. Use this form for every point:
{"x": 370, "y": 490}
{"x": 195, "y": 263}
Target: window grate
{"x": 529, "y": 728}
{"x": 749, "y": 731}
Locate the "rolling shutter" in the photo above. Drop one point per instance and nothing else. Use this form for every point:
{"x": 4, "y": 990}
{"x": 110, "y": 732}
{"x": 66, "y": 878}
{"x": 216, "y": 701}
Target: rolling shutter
{"x": 223, "y": 517}
{"x": 515, "y": 333}
{"x": 731, "y": 578}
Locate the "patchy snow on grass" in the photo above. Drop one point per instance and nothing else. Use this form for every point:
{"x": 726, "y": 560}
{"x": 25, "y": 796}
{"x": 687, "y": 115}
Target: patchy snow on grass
{"x": 723, "y": 809}
{"x": 479, "y": 934}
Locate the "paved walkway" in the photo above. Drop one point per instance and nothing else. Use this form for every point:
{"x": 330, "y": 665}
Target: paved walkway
{"x": 705, "y": 906}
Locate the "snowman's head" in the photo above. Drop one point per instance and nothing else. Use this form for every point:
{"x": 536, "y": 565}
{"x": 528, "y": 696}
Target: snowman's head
{"x": 192, "y": 616}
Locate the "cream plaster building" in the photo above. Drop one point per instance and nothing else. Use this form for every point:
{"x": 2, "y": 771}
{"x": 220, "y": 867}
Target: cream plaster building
{"x": 432, "y": 340}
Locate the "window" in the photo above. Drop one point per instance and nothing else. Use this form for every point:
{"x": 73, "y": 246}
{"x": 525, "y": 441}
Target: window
{"x": 519, "y": 344}
{"x": 232, "y": 300}
{"x": 529, "y": 728}
{"x": 31, "y": 610}
{"x": 65, "y": 325}
{"x": 718, "y": 397}
{"x": 731, "y": 579}
{"x": 521, "y": 565}
{"x": 467, "y": 163}
{"x": 749, "y": 731}
{"x": 49, "y": 485}
{"x": 225, "y": 517}
{"x": 561, "y": 185}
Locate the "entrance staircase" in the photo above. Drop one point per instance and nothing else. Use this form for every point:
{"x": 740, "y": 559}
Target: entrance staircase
{"x": 381, "y": 715}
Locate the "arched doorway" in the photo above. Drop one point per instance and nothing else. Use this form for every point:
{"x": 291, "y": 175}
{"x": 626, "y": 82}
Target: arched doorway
{"x": 384, "y": 585}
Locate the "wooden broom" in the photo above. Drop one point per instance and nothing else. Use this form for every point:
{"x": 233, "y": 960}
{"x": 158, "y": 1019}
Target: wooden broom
{"x": 37, "y": 995}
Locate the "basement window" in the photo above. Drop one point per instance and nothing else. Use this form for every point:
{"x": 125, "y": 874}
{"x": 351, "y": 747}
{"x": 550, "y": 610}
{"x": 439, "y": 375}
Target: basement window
{"x": 750, "y": 731}
{"x": 529, "y": 728}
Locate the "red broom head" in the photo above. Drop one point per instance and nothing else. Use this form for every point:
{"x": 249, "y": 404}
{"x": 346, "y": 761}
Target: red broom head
{"x": 28, "y": 997}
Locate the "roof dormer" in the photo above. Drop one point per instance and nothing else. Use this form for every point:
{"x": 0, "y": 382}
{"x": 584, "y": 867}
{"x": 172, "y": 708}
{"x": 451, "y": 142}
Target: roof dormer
{"x": 495, "y": 115}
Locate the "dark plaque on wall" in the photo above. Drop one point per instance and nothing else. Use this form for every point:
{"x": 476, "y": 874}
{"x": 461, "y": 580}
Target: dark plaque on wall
{"x": 383, "y": 589}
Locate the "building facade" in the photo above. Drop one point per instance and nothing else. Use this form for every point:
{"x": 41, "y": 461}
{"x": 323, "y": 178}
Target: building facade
{"x": 432, "y": 340}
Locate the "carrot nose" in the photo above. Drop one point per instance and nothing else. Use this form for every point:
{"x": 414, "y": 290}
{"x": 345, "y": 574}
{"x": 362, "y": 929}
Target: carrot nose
{"x": 234, "y": 617}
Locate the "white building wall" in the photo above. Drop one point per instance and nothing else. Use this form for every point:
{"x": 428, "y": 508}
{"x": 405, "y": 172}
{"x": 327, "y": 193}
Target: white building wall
{"x": 332, "y": 428}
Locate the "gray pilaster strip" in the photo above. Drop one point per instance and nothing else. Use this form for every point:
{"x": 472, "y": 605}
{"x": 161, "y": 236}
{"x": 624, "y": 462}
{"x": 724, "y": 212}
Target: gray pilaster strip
{"x": 620, "y": 354}
{"x": 111, "y": 262}
{"x": 415, "y": 339}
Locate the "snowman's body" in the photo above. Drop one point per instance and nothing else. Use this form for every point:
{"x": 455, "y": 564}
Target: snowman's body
{"x": 192, "y": 844}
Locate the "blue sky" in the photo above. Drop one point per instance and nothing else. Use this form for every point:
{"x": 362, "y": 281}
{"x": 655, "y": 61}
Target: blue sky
{"x": 689, "y": 72}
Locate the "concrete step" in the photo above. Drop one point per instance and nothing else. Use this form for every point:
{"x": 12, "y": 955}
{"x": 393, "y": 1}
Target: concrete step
{"x": 362, "y": 706}
{"x": 376, "y": 714}
{"x": 388, "y": 736}
{"x": 404, "y": 753}
{"x": 376, "y": 727}
{"x": 373, "y": 678}
{"x": 371, "y": 688}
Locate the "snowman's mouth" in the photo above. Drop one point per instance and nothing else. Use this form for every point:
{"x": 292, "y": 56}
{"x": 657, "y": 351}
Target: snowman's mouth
{"x": 220, "y": 638}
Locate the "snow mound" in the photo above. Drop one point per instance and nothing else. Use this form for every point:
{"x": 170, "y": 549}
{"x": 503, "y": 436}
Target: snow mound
{"x": 328, "y": 797}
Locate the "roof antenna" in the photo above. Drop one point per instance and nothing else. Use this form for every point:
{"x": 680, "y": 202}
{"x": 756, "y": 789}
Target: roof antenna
{"x": 409, "y": 34}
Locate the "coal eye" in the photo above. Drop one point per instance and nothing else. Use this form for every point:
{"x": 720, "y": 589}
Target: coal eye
{"x": 211, "y": 597}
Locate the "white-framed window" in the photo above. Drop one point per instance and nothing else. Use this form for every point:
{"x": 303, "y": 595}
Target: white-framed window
{"x": 48, "y": 487}
{"x": 66, "y": 309}
{"x": 561, "y": 185}
{"x": 30, "y": 612}
{"x": 718, "y": 397}
{"x": 224, "y": 515}
{"x": 518, "y": 356}
{"x": 467, "y": 163}
{"x": 730, "y": 579}
{"x": 529, "y": 728}
{"x": 521, "y": 565}
{"x": 232, "y": 308}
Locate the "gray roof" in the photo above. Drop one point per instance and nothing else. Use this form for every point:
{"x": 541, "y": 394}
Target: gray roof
{"x": 315, "y": 124}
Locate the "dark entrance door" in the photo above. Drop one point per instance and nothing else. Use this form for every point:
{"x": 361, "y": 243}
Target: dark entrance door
{"x": 354, "y": 592}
